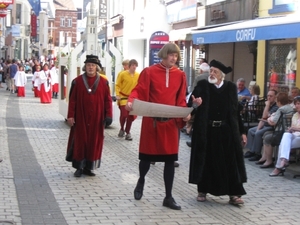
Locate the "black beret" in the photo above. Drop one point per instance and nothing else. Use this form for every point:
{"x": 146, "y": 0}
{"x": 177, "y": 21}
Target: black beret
{"x": 93, "y": 59}
{"x": 220, "y": 66}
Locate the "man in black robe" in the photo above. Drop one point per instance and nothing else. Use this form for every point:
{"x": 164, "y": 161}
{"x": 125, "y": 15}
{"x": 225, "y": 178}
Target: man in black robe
{"x": 217, "y": 162}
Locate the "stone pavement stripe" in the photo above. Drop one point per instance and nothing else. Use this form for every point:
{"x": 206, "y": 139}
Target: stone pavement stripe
{"x": 37, "y": 203}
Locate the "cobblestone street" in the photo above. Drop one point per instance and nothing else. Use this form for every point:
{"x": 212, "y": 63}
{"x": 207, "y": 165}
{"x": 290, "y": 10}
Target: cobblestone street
{"x": 38, "y": 187}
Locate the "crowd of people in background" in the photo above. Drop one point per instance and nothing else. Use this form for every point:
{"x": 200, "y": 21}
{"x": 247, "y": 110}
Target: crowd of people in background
{"x": 14, "y": 72}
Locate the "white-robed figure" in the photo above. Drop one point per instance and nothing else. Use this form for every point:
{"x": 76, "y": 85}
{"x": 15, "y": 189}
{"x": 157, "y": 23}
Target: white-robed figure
{"x": 36, "y": 81}
{"x": 45, "y": 86}
{"x": 54, "y": 81}
{"x": 20, "y": 81}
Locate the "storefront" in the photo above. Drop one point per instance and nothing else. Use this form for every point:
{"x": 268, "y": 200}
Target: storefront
{"x": 277, "y": 46}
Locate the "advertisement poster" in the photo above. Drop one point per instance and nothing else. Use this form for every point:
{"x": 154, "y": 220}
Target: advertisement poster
{"x": 157, "y": 40}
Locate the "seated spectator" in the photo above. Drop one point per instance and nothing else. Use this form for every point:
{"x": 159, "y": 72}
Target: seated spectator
{"x": 255, "y": 92}
{"x": 255, "y": 134}
{"x": 283, "y": 103}
{"x": 294, "y": 93}
{"x": 242, "y": 91}
{"x": 290, "y": 140}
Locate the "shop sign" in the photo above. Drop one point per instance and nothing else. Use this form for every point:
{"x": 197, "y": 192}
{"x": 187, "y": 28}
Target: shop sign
{"x": 245, "y": 34}
{"x": 103, "y": 9}
{"x": 157, "y": 41}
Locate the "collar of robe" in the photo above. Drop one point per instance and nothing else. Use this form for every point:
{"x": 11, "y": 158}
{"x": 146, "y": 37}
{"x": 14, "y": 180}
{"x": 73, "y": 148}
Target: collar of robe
{"x": 92, "y": 89}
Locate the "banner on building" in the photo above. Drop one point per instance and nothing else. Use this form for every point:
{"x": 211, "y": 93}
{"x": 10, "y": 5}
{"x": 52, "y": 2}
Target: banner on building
{"x": 103, "y": 9}
{"x": 36, "y": 6}
{"x": 33, "y": 25}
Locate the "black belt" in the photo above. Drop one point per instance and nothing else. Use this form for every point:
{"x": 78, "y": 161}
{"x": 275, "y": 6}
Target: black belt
{"x": 161, "y": 119}
{"x": 123, "y": 98}
{"x": 216, "y": 123}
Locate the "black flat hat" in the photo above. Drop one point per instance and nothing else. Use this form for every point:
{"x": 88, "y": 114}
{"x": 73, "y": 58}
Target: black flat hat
{"x": 220, "y": 66}
{"x": 93, "y": 59}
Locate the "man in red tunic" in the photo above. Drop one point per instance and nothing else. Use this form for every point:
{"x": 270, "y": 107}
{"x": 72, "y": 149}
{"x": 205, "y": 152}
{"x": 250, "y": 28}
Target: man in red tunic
{"x": 90, "y": 108}
{"x": 160, "y": 83}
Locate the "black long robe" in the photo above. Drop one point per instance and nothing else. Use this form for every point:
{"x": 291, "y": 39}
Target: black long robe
{"x": 217, "y": 162}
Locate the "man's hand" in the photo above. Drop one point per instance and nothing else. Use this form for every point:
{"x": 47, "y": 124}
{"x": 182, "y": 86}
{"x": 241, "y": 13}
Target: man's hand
{"x": 267, "y": 103}
{"x": 118, "y": 97}
{"x": 244, "y": 140}
{"x": 71, "y": 121}
{"x": 196, "y": 101}
{"x": 187, "y": 118}
{"x": 128, "y": 106}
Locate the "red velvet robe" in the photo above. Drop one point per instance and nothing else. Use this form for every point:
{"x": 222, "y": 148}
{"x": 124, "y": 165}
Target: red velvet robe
{"x": 159, "y": 140}
{"x": 89, "y": 111}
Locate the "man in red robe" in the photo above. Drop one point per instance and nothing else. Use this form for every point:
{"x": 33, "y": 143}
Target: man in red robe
{"x": 90, "y": 108}
{"x": 165, "y": 84}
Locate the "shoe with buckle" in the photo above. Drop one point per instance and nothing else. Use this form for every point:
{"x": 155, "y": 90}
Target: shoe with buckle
{"x": 249, "y": 154}
{"x": 78, "y": 173}
{"x": 170, "y": 203}
{"x": 128, "y": 137}
{"x": 138, "y": 191}
{"x": 121, "y": 133}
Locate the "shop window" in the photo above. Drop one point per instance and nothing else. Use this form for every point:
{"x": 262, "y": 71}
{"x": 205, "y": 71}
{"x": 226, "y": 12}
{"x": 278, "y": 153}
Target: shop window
{"x": 282, "y": 6}
{"x": 281, "y": 65}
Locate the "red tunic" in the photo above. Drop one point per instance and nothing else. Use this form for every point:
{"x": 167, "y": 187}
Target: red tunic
{"x": 21, "y": 92}
{"x": 55, "y": 88}
{"x": 89, "y": 112}
{"x": 159, "y": 140}
{"x": 45, "y": 87}
{"x": 45, "y": 96}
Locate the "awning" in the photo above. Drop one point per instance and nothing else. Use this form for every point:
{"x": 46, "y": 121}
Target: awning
{"x": 269, "y": 28}
{"x": 181, "y": 34}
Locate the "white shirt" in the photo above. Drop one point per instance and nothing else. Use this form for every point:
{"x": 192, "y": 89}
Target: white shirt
{"x": 220, "y": 85}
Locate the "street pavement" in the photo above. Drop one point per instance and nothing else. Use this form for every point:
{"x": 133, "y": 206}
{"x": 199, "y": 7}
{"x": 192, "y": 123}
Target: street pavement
{"x": 38, "y": 187}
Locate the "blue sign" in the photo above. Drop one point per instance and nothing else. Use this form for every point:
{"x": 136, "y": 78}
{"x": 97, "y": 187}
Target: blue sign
{"x": 271, "y": 32}
{"x": 157, "y": 40}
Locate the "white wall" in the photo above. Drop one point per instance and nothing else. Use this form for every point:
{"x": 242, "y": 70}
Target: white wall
{"x": 155, "y": 19}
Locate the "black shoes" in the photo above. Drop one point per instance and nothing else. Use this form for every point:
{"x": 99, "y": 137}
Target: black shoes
{"x": 138, "y": 191}
{"x": 267, "y": 166}
{"x": 176, "y": 164}
{"x": 88, "y": 172}
{"x": 249, "y": 154}
{"x": 255, "y": 158}
{"x": 170, "y": 203}
{"x": 78, "y": 173}
{"x": 260, "y": 162}
{"x": 189, "y": 143}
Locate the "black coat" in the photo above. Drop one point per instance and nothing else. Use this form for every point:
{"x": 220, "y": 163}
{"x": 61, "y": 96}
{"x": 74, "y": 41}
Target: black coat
{"x": 217, "y": 161}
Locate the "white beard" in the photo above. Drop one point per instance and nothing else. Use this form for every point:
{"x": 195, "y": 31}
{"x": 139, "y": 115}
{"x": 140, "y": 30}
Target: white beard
{"x": 212, "y": 81}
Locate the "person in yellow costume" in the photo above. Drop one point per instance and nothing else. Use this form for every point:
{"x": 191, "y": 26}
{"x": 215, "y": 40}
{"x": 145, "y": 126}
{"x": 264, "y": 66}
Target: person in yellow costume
{"x": 126, "y": 81}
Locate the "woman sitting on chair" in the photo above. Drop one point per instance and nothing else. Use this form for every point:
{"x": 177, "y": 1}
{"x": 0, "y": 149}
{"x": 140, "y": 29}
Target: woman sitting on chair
{"x": 290, "y": 140}
{"x": 282, "y": 101}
